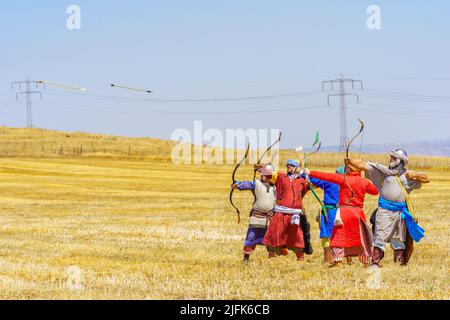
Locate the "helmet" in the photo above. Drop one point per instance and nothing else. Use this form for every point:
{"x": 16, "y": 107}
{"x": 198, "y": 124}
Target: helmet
{"x": 400, "y": 154}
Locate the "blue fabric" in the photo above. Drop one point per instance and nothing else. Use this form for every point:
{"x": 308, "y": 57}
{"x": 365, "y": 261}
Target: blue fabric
{"x": 254, "y": 236}
{"x": 246, "y": 185}
{"x": 330, "y": 190}
{"x": 331, "y": 199}
{"x": 341, "y": 170}
{"x": 326, "y": 227}
{"x": 293, "y": 163}
{"x": 416, "y": 232}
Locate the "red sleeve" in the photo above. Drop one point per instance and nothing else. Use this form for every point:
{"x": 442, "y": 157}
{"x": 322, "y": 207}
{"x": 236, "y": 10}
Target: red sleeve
{"x": 330, "y": 177}
{"x": 370, "y": 188}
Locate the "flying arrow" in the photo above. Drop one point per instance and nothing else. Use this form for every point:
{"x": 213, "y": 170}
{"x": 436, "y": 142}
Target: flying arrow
{"x": 54, "y": 84}
{"x": 130, "y": 88}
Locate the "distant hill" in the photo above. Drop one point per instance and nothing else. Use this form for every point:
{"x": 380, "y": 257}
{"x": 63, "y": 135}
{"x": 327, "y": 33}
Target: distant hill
{"x": 35, "y": 142}
{"x": 436, "y": 148}
{"x": 42, "y": 143}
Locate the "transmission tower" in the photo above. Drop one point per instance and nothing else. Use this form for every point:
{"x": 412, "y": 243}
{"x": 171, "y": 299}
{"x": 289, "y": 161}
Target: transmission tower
{"x": 343, "y": 106}
{"x": 28, "y": 92}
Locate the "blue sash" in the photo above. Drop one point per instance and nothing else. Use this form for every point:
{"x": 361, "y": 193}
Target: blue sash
{"x": 416, "y": 232}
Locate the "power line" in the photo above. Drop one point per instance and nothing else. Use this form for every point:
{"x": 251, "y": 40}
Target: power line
{"x": 58, "y": 105}
{"x": 406, "y": 108}
{"x": 249, "y": 82}
{"x": 409, "y": 94}
{"x": 220, "y": 99}
{"x": 5, "y": 92}
{"x": 4, "y": 106}
{"x": 403, "y": 113}
{"x": 8, "y": 106}
{"x": 403, "y": 77}
{"x": 403, "y": 98}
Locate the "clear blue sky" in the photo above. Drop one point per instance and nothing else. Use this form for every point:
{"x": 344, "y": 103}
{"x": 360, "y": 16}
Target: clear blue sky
{"x": 214, "y": 49}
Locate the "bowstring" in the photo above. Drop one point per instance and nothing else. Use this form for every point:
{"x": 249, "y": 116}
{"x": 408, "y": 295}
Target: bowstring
{"x": 361, "y": 144}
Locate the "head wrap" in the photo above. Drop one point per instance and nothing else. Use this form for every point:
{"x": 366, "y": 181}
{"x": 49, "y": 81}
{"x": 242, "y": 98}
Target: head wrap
{"x": 341, "y": 170}
{"x": 293, "y": 163}
{"x": 266, "y": 170}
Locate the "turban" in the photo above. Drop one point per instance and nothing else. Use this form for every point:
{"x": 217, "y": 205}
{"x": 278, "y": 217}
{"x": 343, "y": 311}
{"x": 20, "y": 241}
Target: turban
{"x": 293, "y": 163}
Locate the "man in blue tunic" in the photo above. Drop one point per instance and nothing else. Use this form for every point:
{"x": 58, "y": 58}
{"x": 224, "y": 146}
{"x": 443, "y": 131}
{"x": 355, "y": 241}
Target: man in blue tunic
{"x": 326, "y": 222}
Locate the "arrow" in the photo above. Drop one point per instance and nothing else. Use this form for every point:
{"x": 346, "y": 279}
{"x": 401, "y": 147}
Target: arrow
{"x": 130, "y": 88}
{"x": 54, "y": 84}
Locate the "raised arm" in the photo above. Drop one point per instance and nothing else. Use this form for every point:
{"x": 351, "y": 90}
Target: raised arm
{"x": 244, "y": 185}
{"x": 361, "y": 165}
{"x": 417, "y": 176}
{"x": 317, "y": 182}
{"x": 330, "y": 177}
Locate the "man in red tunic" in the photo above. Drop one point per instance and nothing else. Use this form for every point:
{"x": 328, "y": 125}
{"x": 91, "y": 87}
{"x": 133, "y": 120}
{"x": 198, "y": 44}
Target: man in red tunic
{"x": 285, "y": 228}
{"x": 347, "y": 237}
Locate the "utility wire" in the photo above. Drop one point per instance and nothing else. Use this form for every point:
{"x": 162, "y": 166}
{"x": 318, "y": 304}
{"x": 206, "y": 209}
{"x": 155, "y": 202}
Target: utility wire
{"x": 223, "y": 99}
{"x": 7, "y": 104}
{"x": 403, "y": 114}
{"x": 59, "y": 105}
{"x": 248, "y": 82}
{"x": 401, "y": 77}
{"x": 9, "y": 111}
{"x": 401, "y": 98}
{"x": 406, "y": 108}
{"x": 409, "y": 94}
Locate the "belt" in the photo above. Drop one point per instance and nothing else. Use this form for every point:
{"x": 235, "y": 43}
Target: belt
{"x": 259, "y": 214}
{"x": 347, "y": 205}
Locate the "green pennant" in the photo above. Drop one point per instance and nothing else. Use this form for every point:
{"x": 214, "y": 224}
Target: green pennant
{"x": 317, "y": 140}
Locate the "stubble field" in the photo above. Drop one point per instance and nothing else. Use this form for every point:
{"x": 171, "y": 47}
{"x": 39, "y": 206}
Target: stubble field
{"x": 92, "y": 228}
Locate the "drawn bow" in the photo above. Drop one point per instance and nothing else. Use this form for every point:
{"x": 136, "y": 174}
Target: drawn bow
{"x": 261, "y": 157}
{"x": 234, "y": 181}
{"x": 304, "y": 162}
{"x": 361, "y": 129}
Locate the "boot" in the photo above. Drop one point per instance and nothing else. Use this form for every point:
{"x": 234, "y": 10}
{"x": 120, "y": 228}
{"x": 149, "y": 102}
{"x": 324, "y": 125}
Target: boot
{"x": 327, "y": 257}
{"x": 246, "y": 258}
{"x": 335, "y": 264}
{"x": 377, "y": 256}
{"x": 399, "y": 257}
{"x": 349, "y": 260}
{"x": 300, "y": 255}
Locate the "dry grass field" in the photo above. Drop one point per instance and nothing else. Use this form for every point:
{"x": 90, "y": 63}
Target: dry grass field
{"x": 123, "y": 228}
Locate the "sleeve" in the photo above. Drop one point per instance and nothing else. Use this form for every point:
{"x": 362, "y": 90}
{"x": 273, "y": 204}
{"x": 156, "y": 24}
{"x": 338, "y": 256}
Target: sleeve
{"x": 317, "y": 182}
{"x": 246, "y": 185}
{"x": 370, "y": 188}
{"x": 330, "y": 177}
{"x": 277, "y": 181}
{"x": 374, "y": 174}
{"x": 413, "y": 184}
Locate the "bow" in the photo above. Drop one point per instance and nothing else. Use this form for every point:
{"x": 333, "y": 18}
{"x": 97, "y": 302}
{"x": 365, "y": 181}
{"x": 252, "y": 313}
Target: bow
{"x": 316, "y": 142}
{"x": 304, "y": 161}
{"x": 234, "y": 181}
{"x": 346, "y": 155}
{"x": 261, "y": 157}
